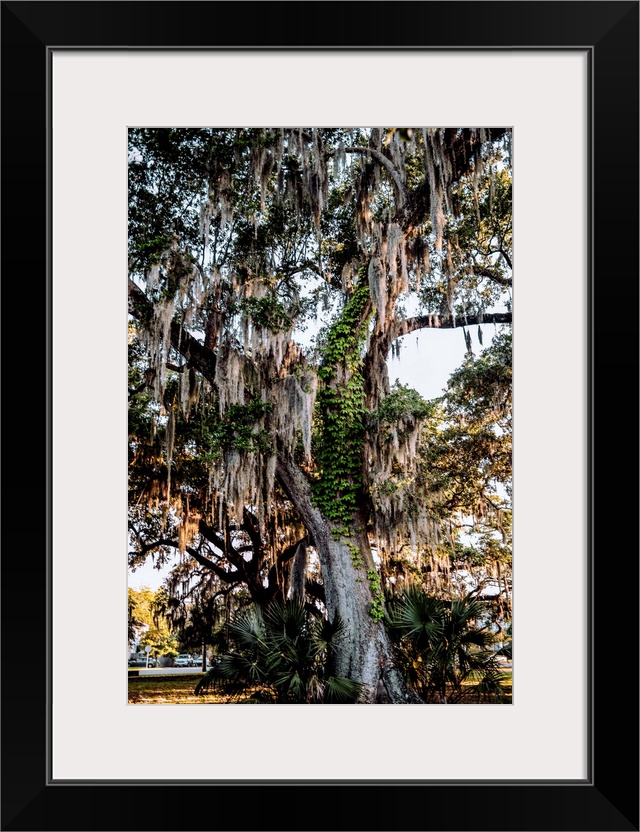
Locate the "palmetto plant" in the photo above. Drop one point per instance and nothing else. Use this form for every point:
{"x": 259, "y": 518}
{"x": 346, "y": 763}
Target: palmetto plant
{"x": 444, "y": 648}
{"x": 282, "y": 654}
{"x": 507, "y": 648}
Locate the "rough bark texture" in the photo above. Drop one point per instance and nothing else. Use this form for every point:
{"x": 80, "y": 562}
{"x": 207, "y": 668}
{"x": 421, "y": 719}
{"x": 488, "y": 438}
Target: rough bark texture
{"x": 298, "y": 573}
{"x": 365, "y": 652}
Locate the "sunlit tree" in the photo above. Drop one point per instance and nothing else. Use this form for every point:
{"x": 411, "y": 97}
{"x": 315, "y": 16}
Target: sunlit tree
{"x": 271, "y": 272}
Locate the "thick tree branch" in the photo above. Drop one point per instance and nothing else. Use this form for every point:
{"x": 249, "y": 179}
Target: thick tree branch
{"x": 296, "y": 487}
{"x": 506, "y": 257}
{"x": 227, "y": 577}
{"x": 462, "y": 149}
{"x": 209, "y": 534}
{"x": 305, "y": 265}
{"x": 149, "y": 547}
{"x": 195, "y": 354}
{"x": 436, "y": 321}
{"x": 251, "y": 527}
{"x": 389, "y": 167}
{"x": 232, "y": 555}
{"x": 290, "y": 551}
{"x": 479, "y": 271}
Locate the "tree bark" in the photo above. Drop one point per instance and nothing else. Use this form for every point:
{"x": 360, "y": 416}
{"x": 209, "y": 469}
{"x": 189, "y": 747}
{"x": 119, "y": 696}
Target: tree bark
{"x": 365, "y": 653}
{"x": 298, "y": 572}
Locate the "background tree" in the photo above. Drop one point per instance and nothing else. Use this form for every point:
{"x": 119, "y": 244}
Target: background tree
{"x": 271, "y": 272}
{"x": 464, "y": 472}
{"x": 148, "y": 624}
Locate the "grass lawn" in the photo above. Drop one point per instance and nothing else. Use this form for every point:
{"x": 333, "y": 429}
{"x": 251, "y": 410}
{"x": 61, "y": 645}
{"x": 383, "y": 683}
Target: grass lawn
{"x": 169, "y": 690}
{"x": 178, "y": 690}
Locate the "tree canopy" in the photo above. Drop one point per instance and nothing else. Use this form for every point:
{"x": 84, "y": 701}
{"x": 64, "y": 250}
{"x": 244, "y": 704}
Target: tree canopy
{"x": 271, "y": 274}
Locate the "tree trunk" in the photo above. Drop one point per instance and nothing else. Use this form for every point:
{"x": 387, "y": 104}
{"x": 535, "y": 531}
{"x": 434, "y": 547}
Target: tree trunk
{"x": 298, "y": 573}
{"x": 365, "y": 653}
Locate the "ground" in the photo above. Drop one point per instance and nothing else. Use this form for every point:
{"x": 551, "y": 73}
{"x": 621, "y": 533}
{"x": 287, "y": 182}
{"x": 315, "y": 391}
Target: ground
{"x": 178, "y": 690}
{"x": 169, "y": 690}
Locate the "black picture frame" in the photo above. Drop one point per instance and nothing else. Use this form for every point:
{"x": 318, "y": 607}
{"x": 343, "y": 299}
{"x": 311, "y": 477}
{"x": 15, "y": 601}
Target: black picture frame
{"x": 608, "y": 799}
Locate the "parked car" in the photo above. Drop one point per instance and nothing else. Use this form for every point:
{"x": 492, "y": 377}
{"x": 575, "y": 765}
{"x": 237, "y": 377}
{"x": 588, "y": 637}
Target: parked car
{"x": 140, "y": 660}
{"x": 196, "y": 661}
{"x": 183, "y": 660}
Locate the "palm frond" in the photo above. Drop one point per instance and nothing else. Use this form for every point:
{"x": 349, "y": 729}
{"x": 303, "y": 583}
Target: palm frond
{"x": 248, "y": 628}
{"x": 327, "y": 634}
{"x": 444, "y": 648}
{"x": 206, "y": 681}
{"x": 506, "y": 650}
{"x": 263, "y": 696}
{"x": 481, "y": 639}
{"x": 296, "y": 687}
{"x": 418, "y": 616}
{"x": 338, "y": 690}
{"x": 286, "y": 619}
{"x": 282, "y": 654}
{"x": 490, "y": 686}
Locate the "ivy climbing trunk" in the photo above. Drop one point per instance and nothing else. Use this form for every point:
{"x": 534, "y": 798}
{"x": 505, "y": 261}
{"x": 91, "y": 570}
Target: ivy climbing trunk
{"x": 241, "y": 240}
{"x": 331, "y": 507}
{"x": 365, "y": 652}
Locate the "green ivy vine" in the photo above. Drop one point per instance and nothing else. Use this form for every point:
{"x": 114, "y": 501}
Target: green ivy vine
{"x": 341, "y": 413}
{"x": 377, "y": 604}
{"x": 342, "y": 418}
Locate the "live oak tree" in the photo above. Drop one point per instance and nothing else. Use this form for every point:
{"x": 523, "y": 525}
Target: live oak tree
{"x": 271, "y": 272}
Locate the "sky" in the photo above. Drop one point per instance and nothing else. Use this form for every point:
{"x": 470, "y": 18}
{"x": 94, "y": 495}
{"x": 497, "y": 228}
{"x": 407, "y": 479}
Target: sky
{"x": 427, "y": 359}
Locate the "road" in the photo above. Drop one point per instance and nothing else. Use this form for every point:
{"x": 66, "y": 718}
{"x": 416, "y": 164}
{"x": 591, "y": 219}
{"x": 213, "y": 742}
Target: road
{"x": 166, "y": 671}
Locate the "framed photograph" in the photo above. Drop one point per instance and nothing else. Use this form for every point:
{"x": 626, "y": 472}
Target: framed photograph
{"x": 524, "y": 112}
